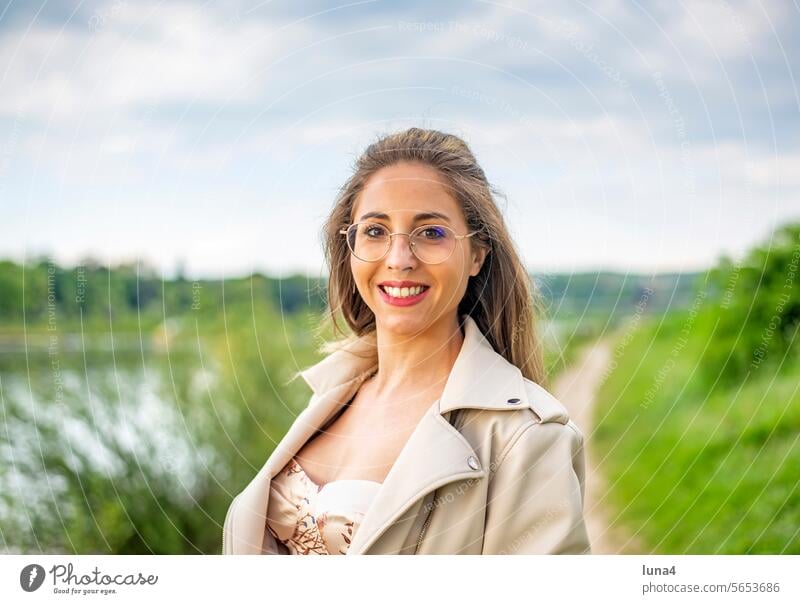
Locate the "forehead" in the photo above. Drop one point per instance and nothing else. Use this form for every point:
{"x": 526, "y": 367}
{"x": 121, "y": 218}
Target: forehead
{"x": 404, "y": 190}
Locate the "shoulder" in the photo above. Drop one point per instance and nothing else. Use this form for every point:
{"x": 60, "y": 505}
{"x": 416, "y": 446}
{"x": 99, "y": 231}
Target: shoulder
{"x": 549, "y": 410}
{"x": 547, "y": 422}
{"x": 542, "y": 408}
{"x": 545, "y": 407}
{"x": 538, "y": 426}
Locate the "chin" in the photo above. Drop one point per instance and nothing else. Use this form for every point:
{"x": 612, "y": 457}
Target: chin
{"x": 395, "y": 323}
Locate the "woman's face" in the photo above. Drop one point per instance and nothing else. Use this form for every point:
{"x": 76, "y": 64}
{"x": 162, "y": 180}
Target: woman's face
{"x": 399, "y": 193}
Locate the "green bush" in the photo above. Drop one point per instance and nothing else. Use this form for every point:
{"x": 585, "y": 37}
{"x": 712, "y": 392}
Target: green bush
{"x": 758, "y": 306}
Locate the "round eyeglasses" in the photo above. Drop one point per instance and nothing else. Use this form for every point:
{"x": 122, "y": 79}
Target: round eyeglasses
{"x": 431, "y": 243}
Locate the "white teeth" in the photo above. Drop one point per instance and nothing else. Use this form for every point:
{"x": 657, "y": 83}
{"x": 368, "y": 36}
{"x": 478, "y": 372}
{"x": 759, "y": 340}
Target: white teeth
{"x": 405, "y": 292}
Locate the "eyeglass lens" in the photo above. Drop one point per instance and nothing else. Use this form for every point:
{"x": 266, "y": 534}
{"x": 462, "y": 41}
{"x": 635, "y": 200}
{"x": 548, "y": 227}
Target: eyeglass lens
{"x": 430, "y": 243}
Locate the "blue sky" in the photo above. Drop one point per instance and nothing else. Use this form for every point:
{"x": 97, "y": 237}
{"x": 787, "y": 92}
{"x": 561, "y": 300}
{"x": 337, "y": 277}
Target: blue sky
{"x": 641, "y": 136}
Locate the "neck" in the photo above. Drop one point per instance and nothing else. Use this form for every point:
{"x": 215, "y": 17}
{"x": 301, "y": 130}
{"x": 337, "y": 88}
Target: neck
{"x": 419, "y": 363}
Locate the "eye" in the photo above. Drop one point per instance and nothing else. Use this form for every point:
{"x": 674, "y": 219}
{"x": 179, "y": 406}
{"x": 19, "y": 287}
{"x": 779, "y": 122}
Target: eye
{"x": 432, "y": 233}
{"x": 374, "y": 231}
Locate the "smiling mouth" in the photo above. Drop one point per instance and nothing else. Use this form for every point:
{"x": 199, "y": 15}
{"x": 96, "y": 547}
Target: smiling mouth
{"x": 404, "y": 292}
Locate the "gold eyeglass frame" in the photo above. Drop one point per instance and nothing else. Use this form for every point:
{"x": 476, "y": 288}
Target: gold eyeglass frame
{"x": 410, "y": 242}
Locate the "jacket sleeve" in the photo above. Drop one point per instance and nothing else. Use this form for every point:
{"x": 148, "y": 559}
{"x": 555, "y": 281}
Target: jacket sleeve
{"x": 536, "y": 492}
{"x": 269, "y": 545}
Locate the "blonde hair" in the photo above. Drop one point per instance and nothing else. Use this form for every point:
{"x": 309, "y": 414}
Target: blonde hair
{"x": 500, "y": 298}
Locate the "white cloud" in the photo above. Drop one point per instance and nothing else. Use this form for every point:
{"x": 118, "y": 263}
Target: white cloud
{"x": 141, "y": 56}
{"x": 728, "y": 30}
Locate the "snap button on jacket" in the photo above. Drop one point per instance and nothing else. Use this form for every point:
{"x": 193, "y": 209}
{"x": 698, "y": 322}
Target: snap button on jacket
{"x": 496, "y": 467}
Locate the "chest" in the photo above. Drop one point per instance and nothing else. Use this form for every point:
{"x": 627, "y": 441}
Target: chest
{"x": 359, "y": 442}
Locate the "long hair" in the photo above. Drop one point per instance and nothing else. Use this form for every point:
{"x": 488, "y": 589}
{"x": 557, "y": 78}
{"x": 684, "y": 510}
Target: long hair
{"x": 501, "y": 298}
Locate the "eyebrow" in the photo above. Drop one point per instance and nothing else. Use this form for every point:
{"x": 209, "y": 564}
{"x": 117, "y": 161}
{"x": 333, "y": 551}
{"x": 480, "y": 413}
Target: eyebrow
{"x": 417, "y": 218}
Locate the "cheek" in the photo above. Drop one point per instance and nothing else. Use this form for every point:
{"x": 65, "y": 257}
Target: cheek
{"x": 454, "y": 275}
{"x": 360, "y": 271}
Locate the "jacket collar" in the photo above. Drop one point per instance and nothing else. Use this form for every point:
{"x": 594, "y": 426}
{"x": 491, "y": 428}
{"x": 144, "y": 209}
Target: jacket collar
{"x": 435, "y": 454}
{"x": 466, "y": 387}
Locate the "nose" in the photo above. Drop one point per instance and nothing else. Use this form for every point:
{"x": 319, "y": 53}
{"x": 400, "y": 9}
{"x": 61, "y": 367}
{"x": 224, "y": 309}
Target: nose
{"x": 400, "y": 255}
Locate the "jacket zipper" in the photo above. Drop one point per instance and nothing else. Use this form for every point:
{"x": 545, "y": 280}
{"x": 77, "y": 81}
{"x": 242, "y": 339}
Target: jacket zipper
{"x": 455, "y": 416}
{"x": 425, "y": 524}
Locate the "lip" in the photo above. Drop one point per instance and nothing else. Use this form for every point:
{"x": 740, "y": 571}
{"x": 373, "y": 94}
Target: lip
{"x": 409, "y": 301}
{"x": 402, "y": 283}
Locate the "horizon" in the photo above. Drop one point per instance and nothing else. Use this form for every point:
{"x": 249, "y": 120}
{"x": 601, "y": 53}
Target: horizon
{"x": 152, "y": 268}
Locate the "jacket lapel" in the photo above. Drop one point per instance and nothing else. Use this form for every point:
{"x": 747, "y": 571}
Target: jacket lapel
{"x": 435, "y": 454}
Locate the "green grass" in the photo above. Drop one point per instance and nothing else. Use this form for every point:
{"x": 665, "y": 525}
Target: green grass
{"x": 693, "y": 468}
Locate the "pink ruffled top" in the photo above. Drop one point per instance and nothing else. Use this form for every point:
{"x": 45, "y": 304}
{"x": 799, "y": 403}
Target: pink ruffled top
{"x": 311, "y": 520}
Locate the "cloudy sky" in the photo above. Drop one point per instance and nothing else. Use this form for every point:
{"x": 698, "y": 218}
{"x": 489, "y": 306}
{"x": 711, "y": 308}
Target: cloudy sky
{"x": 642, "y": 136}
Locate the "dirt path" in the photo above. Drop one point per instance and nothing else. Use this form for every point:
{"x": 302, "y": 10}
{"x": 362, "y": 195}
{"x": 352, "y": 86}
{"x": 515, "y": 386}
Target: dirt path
{"x": 576, "y": 387}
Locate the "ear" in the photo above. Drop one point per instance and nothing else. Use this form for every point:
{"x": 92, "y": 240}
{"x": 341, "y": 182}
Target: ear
{"x": 479, "y": 253}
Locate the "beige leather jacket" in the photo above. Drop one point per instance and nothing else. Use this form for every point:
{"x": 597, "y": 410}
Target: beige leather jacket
{"x": 505, "y": 477}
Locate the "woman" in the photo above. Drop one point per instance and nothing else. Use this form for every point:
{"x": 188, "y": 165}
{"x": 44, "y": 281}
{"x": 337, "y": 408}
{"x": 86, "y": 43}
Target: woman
{"x": 428, "y": 430}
